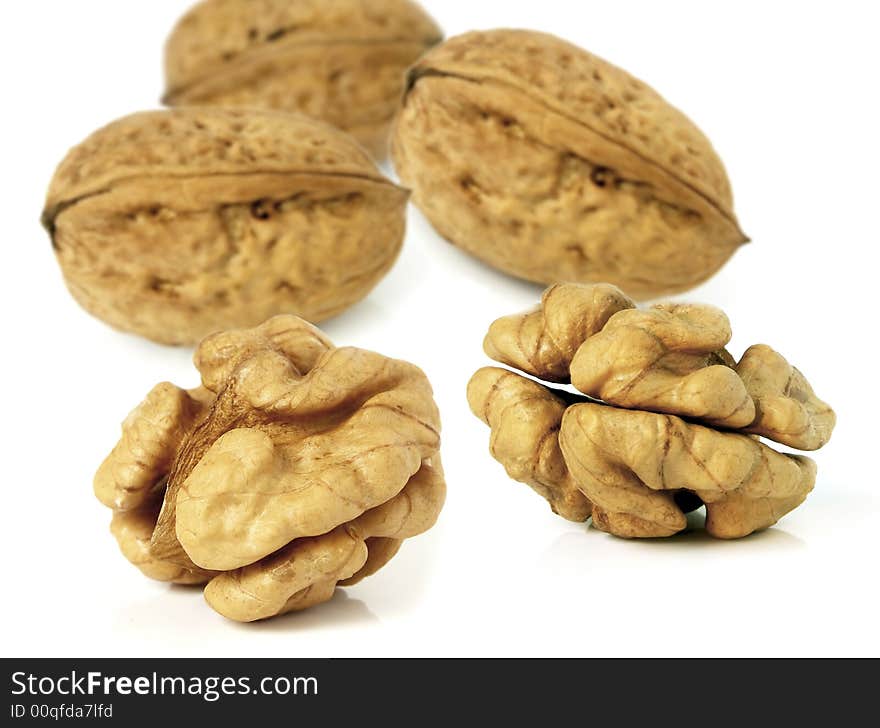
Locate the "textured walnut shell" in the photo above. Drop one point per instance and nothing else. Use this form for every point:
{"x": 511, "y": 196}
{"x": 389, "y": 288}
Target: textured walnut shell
{"x": 295, "y": 468}
{"x": 664, "y": 419}
{"x": 176, "y": 224}
{"x": 342, "y": 61}
{"x": 553, "y": 165}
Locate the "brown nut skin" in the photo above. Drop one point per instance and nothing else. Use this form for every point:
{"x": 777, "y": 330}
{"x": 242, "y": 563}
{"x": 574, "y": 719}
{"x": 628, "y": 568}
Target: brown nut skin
{"x": 176, "y": 224}
{"x": 341, "y": 61}
{"x": 552, "y": 165}
{"x": 297, "y": 467}
{"x": 667, "y": 420}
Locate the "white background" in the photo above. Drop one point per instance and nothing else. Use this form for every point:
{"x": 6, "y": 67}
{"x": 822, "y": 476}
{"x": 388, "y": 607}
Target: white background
{"x": 788, "y": 94}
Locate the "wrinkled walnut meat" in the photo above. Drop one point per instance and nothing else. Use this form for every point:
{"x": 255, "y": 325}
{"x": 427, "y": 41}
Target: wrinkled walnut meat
{"x": 295, "y": 468}
{"x": 664, "y": 421}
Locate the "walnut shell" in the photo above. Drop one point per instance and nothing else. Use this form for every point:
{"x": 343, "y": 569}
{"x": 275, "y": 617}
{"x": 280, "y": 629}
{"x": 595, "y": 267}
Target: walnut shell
{"x": 667, "y": 420}
{"x": 175, "y": 224}
{"x": 553, "y": 165}
{"x": 342, "y": 61}
{"x": 294, "y": 468}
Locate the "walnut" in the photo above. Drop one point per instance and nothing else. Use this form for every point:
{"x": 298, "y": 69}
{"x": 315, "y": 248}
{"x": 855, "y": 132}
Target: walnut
{"x": 552, "y": 165}
{"x": 341, "y": 61}
{"x": 176, "y": 224}
{"x": 295, "y": 468}
{"x": 663, "y": 422}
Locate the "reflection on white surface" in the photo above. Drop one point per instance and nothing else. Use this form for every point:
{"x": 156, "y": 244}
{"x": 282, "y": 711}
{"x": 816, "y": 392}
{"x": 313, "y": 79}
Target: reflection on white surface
{"x": 341, "y": 611}
{"x": 588, "y": 542}
{"x": 157, "y": 616}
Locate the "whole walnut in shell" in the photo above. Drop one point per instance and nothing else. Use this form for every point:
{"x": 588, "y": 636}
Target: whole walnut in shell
{"x": 663, "y": 419}
{"x": 295, "y": 468}
{"x": 342, "y": 61}
{"x": 176, "y": 224}
{"x": 553, "y": 165}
